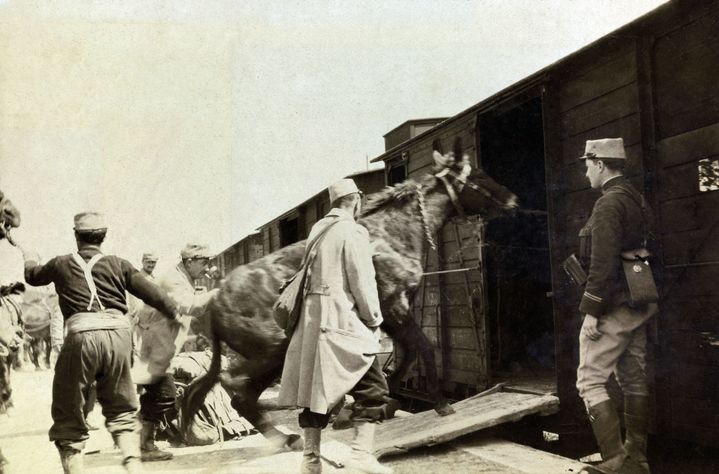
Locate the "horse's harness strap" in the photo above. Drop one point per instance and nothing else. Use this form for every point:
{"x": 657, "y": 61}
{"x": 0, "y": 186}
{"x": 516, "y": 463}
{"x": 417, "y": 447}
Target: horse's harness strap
{"x": 453, "y": 196}
{"x": 87, "y": 270}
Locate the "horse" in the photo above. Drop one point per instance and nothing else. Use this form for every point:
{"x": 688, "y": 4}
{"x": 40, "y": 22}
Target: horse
{"x": 37, "y": 315}
{"x": 401, "y": 221}
{"x": 9, "y": 216}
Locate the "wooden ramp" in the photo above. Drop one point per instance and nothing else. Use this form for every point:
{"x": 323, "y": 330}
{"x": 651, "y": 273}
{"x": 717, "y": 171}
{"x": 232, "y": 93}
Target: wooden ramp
{"x": 490, "y": 408}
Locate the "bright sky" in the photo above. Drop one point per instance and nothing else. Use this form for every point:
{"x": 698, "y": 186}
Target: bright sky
{"x": 203, "y": 120}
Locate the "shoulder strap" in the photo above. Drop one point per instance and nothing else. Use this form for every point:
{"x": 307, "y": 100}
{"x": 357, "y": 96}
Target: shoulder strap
{"x": 87, "y": 271}
{"x": 638, "y": 199}
{"x": 313, "y": 243}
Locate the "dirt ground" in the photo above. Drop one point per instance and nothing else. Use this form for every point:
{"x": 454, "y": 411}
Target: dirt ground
{"x": 24, "y": 442}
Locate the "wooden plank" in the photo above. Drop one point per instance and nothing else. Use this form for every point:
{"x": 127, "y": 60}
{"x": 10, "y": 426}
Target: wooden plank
{"x": 691, "y": 99}
{"x": 680, "y": 181}
{"x": 606, "y": 77}
{"x": 476, "y": 413}
{"x": 698, "y": 315}
{"x": 619, "y": 103}
{"x": 695, "y": 246}
{"x": 689, "y": 147}
{"x": 693, "y": 381}
{"x": 518, "y": 457}
{"x": 472, "y": 414}
{"x": 691, "y": 282}
{"x": 698, "y": 348}
{"x": 689, "y": 213}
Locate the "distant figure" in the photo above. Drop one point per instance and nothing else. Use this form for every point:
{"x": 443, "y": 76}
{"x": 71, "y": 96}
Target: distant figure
{"x": 98, "y": 347}
{"x": 333, "y": 349}
{"x": 159, "y": 340}
{"x": 613, "y": 338}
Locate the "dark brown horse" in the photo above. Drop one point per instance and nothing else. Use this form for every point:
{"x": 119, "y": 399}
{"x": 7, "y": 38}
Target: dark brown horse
{"x": 9, "y": 216}
{"x": 401, "y": 220}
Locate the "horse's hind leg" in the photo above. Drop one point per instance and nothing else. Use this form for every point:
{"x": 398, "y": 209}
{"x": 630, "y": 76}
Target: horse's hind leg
{"x": 245, "y": 402}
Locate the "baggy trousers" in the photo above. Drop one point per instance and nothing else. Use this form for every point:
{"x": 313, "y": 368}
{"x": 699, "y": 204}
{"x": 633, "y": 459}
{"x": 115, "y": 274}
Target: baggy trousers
{"x": 157, "y": 404}
{"x": 621, "y": 350}
{"x": 101, "y": 356}
{"x": 370, "y": 396}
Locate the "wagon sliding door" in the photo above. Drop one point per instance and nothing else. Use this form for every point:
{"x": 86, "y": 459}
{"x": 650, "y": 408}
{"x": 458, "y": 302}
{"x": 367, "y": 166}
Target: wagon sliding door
{"x": 519, "y": 310}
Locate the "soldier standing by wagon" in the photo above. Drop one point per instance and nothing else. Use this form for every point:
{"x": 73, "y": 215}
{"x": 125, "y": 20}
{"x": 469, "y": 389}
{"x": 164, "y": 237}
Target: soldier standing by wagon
{"x": 332, "y": 350}
{"x": 613, "y": 337}
{"x": 98, "y": 346}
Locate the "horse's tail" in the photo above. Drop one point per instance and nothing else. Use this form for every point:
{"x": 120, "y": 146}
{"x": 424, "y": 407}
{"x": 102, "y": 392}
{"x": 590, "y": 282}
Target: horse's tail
{"x": 199, "y": 388}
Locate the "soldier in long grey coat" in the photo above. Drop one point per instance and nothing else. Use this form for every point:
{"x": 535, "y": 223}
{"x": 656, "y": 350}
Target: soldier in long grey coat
{"x": 333, "y": 350}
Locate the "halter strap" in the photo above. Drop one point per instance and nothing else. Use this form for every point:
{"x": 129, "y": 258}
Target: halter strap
{"x": 87, "y": 270}
{"x": 453, "y": 196}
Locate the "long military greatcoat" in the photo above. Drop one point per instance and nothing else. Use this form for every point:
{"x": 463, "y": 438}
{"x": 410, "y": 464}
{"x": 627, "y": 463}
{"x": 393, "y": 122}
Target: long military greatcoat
{"x": 333, "y": 345}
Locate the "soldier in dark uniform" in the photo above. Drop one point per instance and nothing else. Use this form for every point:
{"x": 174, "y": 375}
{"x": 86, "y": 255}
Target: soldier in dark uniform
{"x": 613, "y": 337}
{"x": 98, "y": 346}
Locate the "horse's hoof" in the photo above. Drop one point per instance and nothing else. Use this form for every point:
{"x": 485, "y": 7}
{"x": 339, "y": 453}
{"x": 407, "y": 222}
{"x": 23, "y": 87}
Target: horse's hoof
{"x": 444, "y": 409}
{"x": 294, "y": 442}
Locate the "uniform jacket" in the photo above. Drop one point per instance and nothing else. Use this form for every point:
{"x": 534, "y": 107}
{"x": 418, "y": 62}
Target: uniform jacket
{"x": 615, "y": 225}
{"x": 158, "y": 338}
{"x": 112, "y": 276}
{"x": 333, "y": 345}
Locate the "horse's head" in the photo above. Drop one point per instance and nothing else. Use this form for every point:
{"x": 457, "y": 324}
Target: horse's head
{"x": 9, "y": 216}
{"x": 471, "y": 189}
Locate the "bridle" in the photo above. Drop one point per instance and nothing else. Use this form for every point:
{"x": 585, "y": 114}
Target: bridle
{"x": 461, "y": 179}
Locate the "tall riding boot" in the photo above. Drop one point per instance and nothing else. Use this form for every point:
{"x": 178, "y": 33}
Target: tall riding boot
{"x": 72, "y": 460}
{"x": 149, "y": 451}
{"x": 362, "y": 458}
{"x": 605, "y": 424}
{"x": 636, "y": 421}
{"x": 311, "y": 461}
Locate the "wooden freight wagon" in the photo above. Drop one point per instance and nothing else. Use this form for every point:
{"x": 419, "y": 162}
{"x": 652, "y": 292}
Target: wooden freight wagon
{"x": 295, "y": 224}
{"x": 496, "y": 303}
{"x": 290, "y": 227}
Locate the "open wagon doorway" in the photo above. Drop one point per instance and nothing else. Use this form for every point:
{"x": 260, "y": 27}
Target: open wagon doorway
{"x": 516, "y": 248}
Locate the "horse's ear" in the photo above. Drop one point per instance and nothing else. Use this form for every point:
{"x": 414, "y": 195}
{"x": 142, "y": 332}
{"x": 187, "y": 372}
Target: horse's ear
{"x": 442, "y": 161}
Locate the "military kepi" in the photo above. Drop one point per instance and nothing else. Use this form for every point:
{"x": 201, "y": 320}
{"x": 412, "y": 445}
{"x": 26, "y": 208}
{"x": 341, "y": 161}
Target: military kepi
{"x": 604, "y": 148}
{"x": 342, "y": 188}
{"x": 87, "y": 221}
{"x": 195, "y": 250}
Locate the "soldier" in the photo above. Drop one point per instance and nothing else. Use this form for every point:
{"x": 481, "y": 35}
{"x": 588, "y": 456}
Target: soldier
{"x": 159, "y": 342}
{"x": 333, "y": 349}
{"x": 613, "y": 337}
{"x": 98, "y": 347}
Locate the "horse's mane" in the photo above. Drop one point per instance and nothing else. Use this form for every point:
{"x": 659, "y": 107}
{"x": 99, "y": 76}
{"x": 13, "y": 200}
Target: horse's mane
{"x": 398, "y": 193}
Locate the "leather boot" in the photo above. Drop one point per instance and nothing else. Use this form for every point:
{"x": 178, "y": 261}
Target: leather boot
{"x": 148, "y": 450}
{"x": 72, "y": 461}
{"x": 636, "y": 421}
{"x": 605, "y": 424}
{"x": 362, "y": 458}
{"x": 311, "y": 461}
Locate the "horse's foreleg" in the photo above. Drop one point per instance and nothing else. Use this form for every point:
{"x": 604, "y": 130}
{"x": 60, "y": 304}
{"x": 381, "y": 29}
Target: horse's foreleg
{"x": 426, "y": 352}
